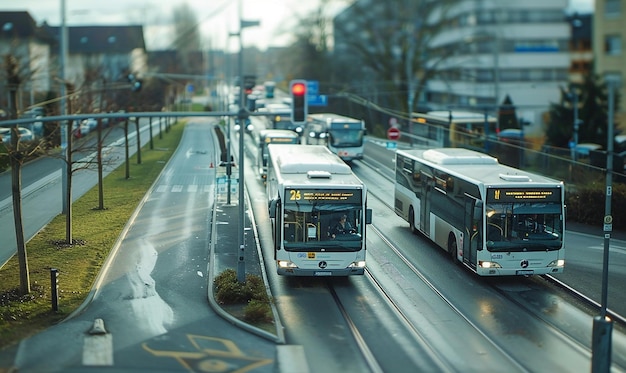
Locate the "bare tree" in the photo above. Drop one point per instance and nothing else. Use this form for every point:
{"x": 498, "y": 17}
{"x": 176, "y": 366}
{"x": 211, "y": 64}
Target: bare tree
{"x": 87, "y": 151}
{"x": 18, "y": 151}
{"x": 308, "y": 57}
{"x": 187, "y": 33}
{"x": 392, "y": 47}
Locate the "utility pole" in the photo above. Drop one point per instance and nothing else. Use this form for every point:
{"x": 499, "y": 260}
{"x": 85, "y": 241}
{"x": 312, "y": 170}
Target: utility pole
{"x": 65, "y": 132}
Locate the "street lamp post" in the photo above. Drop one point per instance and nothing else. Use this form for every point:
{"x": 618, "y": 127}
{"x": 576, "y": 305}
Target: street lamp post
{"x": 242, "y": 115}
{"x": 602, "y": 325}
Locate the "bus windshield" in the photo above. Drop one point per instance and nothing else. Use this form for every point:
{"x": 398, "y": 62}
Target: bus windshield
{"x": 317, "y": 226}
{"x": 345, "y": 137}
{"x": 524, "y": 227}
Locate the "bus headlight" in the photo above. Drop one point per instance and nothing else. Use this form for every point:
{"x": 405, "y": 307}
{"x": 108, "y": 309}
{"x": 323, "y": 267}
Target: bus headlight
{"x": 557, "y": 263}
{"x": 286, "y": 264}
{"x": 359, "y": 264}
{"x": 485, "y": 264}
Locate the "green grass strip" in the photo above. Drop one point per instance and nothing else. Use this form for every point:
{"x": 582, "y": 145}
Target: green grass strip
{"x": 95, "y": 232}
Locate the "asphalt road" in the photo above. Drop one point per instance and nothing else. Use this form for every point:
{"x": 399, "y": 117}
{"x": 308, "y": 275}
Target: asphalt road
{"x": 151, "y": 295}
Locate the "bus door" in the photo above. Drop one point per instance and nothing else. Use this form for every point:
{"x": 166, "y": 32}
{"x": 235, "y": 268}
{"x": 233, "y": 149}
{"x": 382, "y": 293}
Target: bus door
{"x": 472, "y": 241}
{"x": 428, "y": 182}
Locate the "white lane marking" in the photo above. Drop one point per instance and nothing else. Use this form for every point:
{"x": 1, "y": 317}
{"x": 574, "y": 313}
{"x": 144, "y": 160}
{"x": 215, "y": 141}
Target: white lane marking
{"x": 291, "y": 358}
{"x": 98, "y": 350}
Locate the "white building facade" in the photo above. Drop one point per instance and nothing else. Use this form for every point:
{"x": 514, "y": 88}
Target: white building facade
{"x": 504, "y": 48}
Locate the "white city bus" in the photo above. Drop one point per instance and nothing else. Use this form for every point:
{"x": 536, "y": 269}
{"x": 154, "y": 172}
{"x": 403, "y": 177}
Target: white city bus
{"x": 309, "y": 190}
{"x": 267, "y": 137}
{"x": 495, "y": 219}
{"x": 344, "y": 136}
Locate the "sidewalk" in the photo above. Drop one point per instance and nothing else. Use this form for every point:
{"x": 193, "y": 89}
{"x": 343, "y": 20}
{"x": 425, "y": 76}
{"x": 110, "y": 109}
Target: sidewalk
{"x": 224, "y": 254}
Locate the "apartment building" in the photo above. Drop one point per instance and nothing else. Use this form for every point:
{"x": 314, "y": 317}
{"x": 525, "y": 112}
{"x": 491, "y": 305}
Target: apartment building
{"x": 609, "y": 35}
{"x": 22, "y": 38}
{"x": 518, "y": 49}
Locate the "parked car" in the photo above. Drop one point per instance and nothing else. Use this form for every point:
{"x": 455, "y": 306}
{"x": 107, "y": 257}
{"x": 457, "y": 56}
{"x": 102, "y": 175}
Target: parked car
{"x": 91, "y": 123}
{"x": 25, "y": 135}
{"x": 4, "y": 131}
{"x": 583, "y": 150}
{"x": 80, "y": 129}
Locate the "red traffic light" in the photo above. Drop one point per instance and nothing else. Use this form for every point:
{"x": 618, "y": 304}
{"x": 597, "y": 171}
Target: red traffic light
{"x": 299, "y": 107}
{"x": 298, "y": 89}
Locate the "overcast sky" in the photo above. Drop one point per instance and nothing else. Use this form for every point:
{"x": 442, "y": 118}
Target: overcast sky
{"x": 217, "y": 18}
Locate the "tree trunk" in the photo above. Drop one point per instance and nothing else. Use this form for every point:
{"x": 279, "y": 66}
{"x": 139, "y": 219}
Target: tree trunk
{"x": 16, "y": 184}
{"x": 68, "y": 160}
{"x": 16, "y": 189}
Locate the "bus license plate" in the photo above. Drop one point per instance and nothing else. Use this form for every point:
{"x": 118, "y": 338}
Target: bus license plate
{"x": 525, "y": 272}
{"x": 323, "y": 273}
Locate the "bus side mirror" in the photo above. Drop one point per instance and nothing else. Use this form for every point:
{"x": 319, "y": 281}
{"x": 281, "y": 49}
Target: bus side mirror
{"x": 368, "y": 216}
{"x": 272, "y": 209}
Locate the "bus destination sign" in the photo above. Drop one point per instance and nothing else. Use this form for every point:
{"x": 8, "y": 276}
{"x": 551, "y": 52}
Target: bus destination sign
{"x": 324, "y": 195}
{"x": 524, "y": 195}
{"x": 285, "y": 140}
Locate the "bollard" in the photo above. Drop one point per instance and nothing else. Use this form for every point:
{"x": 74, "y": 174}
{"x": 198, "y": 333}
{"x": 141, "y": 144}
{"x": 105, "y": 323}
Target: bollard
{"x": 54, "y": 288}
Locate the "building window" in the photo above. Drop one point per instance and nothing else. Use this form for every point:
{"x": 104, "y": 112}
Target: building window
{"x": 613, "y": 7}
{"x": 614, "y": 77}
{"x": 613, "y": 45}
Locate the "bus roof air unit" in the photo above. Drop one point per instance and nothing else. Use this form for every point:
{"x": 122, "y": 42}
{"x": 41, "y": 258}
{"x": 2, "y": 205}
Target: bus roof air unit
{"x": 515, "y": 178}
{"x": 318, "y": 174}
{"x": 458, "y": 156}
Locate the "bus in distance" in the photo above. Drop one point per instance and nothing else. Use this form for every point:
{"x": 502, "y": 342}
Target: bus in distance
{"x": 318, "y": 210}
{"x": 267, "y": 137}
{"x": 279, "y": 118}
{"x": 494, "y": 219}
{"x": 269, "y": 89}
{"x": 344, "y": 136}
{"x": 451, "y": 128}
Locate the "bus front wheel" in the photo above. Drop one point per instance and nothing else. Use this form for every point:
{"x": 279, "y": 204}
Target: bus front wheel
{"x": 412, "y": 220}
{"x": 452, "y": 248}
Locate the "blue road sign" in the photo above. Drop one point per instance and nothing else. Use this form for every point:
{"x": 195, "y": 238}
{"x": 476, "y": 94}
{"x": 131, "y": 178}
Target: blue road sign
{"x": 319, "y": 100}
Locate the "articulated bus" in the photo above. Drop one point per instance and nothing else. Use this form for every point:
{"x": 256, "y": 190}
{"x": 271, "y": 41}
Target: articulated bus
{"x": 494, "y": 219}
{"x": 267, "y": 137}
{"x": 310, "y": 190}
{"x": 454, "y": 128}
{"x": 344, "y": 136}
